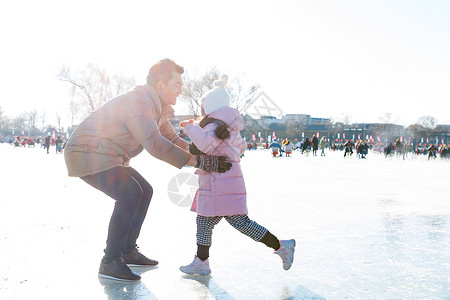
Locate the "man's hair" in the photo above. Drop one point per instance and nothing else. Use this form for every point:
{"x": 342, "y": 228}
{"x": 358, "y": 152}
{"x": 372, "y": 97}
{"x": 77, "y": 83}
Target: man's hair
{"x": 163, "y": 69}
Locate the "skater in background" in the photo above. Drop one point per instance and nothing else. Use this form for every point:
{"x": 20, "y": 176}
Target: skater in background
{"x": 348, "y": 148}
{"x": 224, "y": 195}
{"x": 100, "y": 149}
{"x": 323, "y": 145}
{"x": 389, "y": 150}
{"x": 405, "y": 150}
{"x": 363, "y": 149}
{"x": 288, "y": 147}
{"x": 17, "y": 142}
{"x": 444, "y": 151}
{"x": 47, "y": 142}
{"x": 432, "y": 152}
{"x": 276, "y": 147}
{"x": 398, "y": 146}
{"x": 298, "y": 145}
{"x": 306, "y": 146}
{"x": 315, "y": 144}
{"x": 30, "y": 142}
{"x": 42, "y": 142}
{"x": 59, "y": 144}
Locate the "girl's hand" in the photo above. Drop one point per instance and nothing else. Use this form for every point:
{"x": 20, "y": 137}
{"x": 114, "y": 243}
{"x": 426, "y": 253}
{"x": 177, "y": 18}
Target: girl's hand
{"x": 183, "y": 123}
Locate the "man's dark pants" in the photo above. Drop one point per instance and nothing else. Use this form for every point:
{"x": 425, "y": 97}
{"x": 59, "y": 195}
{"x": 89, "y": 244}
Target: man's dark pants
{"x": 133, "y": 195}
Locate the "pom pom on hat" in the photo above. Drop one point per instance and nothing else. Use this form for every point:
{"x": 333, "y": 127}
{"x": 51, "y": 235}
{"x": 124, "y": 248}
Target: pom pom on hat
{"x": 218, "y": 97}
{"x": 222, "y": 82}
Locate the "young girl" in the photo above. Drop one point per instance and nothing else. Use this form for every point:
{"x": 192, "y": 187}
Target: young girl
{"x": 224, "y": 195}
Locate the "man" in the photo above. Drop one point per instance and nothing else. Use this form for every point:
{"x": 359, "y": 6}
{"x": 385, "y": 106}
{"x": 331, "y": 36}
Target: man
{"x": 100, "y": 148}
{"x": 47, "y": 143}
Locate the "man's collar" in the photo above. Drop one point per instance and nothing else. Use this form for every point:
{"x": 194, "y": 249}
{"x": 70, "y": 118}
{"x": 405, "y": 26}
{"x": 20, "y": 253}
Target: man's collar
{"x": 167, "y": 111}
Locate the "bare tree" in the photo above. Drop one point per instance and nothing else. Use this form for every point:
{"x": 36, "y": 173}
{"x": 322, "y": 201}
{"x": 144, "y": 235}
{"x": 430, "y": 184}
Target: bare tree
{"x": 74, "y": 109}
{"x": 295, "y": 126}
{"x": 94, "y": 86}
{"x": 344, "y": 119}
{"x": 19, "y": 124}
{"x": 43, "y": 118}
{"x": 251, "y": 125}
{"x": 415, "y": 130}
{"x": 388, "y": 118}
{"x": 334, "y": 128}
{"x": 58, "y": 120}
{"x": 121, "y": 84}
{"x": 428, "y": 122}
{"x": 241, "y": 96}
{"x": 3, "y": 121}
{"x": 31, "y": 117}
{"x": 347, "y": 119}
{"x": 195, "y": 88}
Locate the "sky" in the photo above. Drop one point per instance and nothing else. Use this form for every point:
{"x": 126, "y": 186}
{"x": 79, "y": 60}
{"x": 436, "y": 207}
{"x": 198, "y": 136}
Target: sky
{"x": 345, "y": 60}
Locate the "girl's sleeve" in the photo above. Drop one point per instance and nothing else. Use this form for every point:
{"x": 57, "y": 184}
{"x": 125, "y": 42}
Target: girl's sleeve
{"x": 242, "y": 144}
{"x": 205, "y": 139}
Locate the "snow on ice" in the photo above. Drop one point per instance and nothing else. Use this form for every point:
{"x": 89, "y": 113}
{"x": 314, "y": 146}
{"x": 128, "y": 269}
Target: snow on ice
{"x": 365, "y": 229}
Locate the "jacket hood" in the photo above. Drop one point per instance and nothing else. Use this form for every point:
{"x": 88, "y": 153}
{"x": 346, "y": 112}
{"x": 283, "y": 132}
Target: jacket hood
{"x": 231, "y": 116}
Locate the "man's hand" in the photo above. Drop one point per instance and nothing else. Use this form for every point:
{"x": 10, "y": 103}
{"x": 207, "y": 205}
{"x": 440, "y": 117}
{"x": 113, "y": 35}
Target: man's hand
{"x": 210, "y": 163}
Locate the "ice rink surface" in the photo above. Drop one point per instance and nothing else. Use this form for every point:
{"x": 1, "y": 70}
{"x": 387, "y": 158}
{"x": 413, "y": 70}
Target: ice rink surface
{"x": 365, "y": 229}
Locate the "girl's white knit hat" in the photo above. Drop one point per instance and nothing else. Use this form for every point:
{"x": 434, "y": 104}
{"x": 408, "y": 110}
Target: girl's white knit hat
{"x": 218, "y": 97}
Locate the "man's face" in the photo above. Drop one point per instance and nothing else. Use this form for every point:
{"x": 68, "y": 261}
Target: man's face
{"x": 168, "y": 92}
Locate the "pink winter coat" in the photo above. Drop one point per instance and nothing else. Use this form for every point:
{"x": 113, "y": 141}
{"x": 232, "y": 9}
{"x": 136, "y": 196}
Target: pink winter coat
{"x": 220, "y": 194}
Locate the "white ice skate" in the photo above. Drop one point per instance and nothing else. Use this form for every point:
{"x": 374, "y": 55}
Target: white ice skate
{"x": 197, "y": 267}
{"x": 286, "y": 252}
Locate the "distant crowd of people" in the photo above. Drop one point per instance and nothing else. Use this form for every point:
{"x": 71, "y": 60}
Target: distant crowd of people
{"x": 403, "y": 149}
{"x": 44, "y": 142}
{"x": 285, "y": 147}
